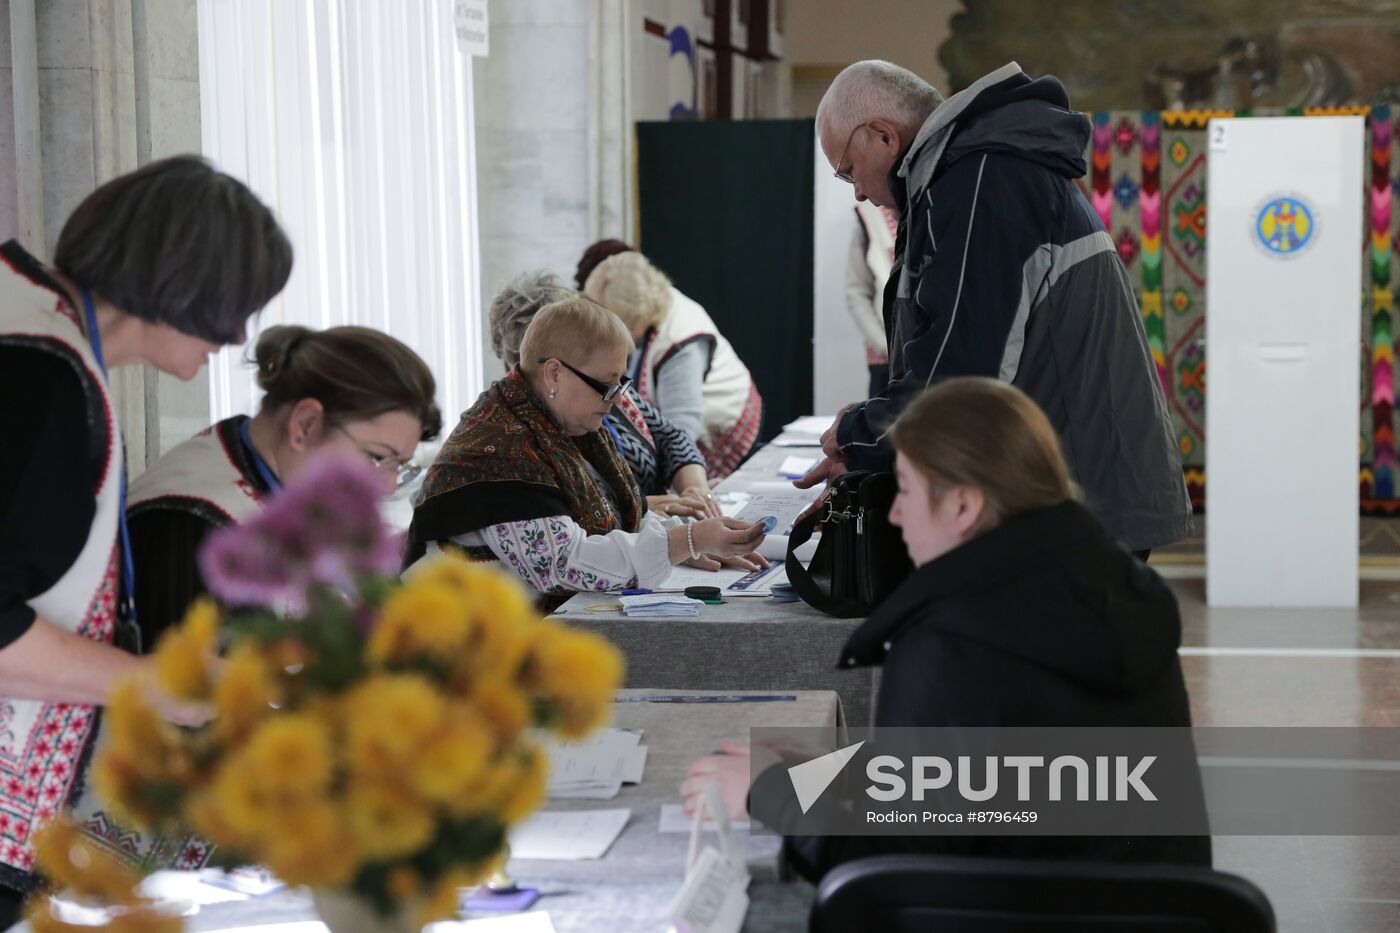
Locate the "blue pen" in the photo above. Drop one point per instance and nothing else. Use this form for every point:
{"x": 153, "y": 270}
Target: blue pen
{"x": 640, "y": 591}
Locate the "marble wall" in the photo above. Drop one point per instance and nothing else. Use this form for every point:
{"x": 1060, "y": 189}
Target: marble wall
{"x": 553, "y": 140}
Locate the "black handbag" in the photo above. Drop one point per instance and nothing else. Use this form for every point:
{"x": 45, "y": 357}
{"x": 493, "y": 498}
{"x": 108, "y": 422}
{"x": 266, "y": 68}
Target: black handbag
{"x": 860, "y": 558}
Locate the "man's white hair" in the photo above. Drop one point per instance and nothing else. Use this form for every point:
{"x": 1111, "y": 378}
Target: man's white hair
{"x": 875, "y": 89}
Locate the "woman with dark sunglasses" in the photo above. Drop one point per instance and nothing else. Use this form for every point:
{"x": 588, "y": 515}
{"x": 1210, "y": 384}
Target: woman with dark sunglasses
{"x": 531, "y": 478}
{"x": 663, "y": 458}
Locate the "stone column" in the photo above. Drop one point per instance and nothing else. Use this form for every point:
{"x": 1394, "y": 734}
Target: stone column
{"x": 553, "y": 139}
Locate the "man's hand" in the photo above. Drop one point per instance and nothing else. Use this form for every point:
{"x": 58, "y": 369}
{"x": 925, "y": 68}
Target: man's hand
{"x": 730, "y": 769}
{"x": 826, "y": 470}
{"x": 830, "y": 448}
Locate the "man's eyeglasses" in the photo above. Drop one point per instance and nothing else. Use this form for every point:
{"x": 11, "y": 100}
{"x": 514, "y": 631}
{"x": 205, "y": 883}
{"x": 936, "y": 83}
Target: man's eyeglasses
{"x": 608, "y": 392}
{"x": 404, "y": 471}
{"x": 846, "y": 175}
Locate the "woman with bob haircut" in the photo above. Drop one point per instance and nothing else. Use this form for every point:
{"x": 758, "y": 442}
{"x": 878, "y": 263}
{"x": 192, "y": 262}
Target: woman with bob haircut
{"x": 162, "y": 266}
{"x": 530, "y": 478}
{"x": 351, "y": 390}
{"x": 1022, "y": 611}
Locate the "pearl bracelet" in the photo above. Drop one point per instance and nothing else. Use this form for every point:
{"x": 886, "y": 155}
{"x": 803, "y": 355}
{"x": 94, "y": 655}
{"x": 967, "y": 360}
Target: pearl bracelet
{"x": 690, "y": 540}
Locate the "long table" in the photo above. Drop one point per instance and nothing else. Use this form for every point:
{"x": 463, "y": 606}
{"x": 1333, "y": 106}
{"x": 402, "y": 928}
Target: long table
{"x": 631, "y": 887}
{"x": 746, "y": 643}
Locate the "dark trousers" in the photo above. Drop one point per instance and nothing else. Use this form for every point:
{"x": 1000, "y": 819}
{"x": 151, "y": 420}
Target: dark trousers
{"x": 879, "y": 378}
{"x": 11, "y": 906}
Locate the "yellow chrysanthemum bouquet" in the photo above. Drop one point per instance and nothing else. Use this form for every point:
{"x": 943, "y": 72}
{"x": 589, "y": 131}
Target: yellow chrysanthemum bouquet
{"x": 366, "y": 735}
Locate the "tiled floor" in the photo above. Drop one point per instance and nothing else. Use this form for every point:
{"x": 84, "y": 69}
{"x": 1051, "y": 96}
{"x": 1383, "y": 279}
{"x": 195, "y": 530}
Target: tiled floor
{"x": 1303, "y": 668}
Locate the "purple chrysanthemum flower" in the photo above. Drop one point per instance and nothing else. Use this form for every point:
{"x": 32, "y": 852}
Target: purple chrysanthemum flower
{"x": 324, "y": 528}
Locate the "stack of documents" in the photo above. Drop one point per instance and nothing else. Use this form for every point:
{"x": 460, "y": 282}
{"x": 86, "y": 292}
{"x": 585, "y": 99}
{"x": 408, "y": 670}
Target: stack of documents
{"x": 596, "y": 769}
{"x": 659, "y": 606}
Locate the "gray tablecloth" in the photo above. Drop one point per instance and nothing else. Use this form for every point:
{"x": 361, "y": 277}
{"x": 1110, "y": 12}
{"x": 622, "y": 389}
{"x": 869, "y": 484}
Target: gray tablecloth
{"x": 630, "y": 888}
{"x": 744, "y": 644}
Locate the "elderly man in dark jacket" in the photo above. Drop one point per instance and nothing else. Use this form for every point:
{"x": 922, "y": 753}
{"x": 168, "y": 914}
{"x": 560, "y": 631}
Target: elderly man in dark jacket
{"x": 1004, "y": 270}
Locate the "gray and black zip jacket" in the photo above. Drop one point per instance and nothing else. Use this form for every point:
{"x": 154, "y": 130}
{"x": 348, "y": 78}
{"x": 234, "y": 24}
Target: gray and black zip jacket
{"x": 1004, "y": 270}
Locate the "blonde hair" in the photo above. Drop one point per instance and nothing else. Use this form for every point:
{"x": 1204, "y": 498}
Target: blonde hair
{"x": 974, "y": 431}
{"x": 574, "y": 329}
{"x": 632, "y": 288}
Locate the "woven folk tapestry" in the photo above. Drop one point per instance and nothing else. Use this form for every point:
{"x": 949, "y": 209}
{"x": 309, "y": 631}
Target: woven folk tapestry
{"x": 1147, "y": 181}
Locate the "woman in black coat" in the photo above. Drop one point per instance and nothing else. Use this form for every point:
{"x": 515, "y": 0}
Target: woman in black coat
{"x": 1022, "y": 611}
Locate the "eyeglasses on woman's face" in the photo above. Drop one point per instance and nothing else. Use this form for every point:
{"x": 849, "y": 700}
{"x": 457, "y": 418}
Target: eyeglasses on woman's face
{"x": 403, "y": 469}
{"x": 608, "y": 392}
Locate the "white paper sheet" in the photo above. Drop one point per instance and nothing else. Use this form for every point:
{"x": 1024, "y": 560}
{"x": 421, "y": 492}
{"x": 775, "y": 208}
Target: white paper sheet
{"x": 636, "y": 765}
{"x": 793, "y": 467}
{"x": 809, "y": 424}
{"x": 782, "y": 500}
{"x": 713, "y": 898}
{"x": 730, "y": 582}
{"x": 774, "y": 547}
{"x": 592, "y": 770}
{"x": 568, "y": 836}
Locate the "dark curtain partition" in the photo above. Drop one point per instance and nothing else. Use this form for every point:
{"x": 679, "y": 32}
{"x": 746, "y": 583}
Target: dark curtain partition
{"x": 726, "y": 212}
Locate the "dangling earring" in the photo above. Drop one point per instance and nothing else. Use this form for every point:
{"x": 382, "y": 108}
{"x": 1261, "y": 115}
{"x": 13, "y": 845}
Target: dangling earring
{"x": 553, "y": 392}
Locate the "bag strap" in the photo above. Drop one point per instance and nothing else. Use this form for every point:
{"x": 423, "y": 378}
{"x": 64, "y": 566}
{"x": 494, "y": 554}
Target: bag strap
{"x": 804, "y": 580}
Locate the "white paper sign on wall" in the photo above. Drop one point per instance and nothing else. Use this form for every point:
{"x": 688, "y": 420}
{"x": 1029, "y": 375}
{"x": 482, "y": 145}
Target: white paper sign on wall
{"x": 473, "y": 33}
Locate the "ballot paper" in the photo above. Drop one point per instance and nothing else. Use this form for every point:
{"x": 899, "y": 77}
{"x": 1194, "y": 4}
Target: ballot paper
{"x": 730, "y": 582}
{"x": 714, "y": 897}
{"x": 660, "y": 605}
{"x": 815, "y": 425}
{"x": 674, "y": 820}
{"x": 570, "y": 836}
{"x": 597, "y": 768}
{"x": 794, "y": 467}
{"x": 774, "y": 547}
{"x": 636, "y": 765}
{"x": 783, "y": 501}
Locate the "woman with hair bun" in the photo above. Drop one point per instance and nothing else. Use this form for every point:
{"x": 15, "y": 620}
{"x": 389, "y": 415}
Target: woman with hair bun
{"x": 349, "y": 389}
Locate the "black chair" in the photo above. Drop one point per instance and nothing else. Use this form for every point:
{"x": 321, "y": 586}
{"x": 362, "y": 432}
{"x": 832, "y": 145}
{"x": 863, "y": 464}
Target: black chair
{"x": 948, "y": 894}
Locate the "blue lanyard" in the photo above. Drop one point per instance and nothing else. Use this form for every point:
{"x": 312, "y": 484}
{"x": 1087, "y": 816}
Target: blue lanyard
{"x": 612, "y": 429}
{"x": 128, "y": 567}
{"x": 268, "y": 477}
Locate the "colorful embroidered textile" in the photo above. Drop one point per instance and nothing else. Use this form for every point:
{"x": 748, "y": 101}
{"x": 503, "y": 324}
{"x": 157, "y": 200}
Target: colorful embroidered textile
{"x": 1147, "y": 183}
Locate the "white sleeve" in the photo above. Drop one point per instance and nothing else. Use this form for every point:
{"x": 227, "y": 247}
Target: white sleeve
{"x": 680, "y": 388}
{"x": 555, "y": 554}
{"x": 864, "y": 298}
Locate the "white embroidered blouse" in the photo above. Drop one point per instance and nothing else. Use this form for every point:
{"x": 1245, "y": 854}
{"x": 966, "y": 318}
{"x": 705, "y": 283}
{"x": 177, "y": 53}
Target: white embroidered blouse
{"x": 555, "y": 554}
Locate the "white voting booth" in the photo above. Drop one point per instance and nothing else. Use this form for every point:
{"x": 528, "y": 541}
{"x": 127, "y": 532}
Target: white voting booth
{"x": 1282, "y": 416}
